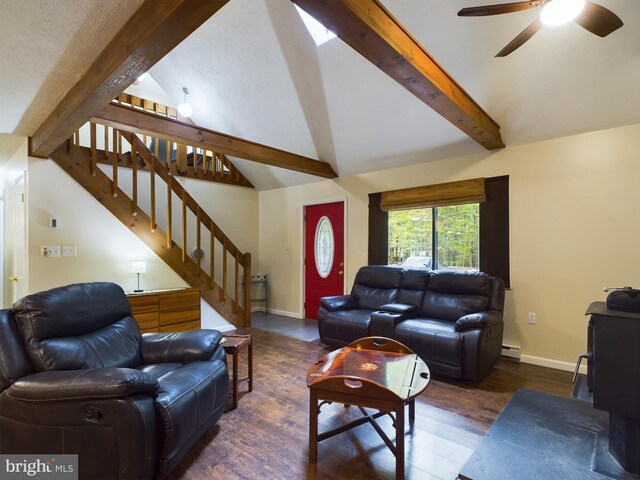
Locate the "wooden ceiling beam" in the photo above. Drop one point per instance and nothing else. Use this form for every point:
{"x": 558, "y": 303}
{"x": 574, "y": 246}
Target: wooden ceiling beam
{"x": 152, "y": 32}
{"x": 372, "y": 31}
{"x": 125, "y": 118}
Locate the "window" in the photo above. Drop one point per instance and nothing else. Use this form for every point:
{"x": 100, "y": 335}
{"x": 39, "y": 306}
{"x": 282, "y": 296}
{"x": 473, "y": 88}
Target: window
{"x": 453, "y": 230}
{"x": 324, "y": 247}
{"x": 450, "y": 204}
{"x": 318, "y": 32}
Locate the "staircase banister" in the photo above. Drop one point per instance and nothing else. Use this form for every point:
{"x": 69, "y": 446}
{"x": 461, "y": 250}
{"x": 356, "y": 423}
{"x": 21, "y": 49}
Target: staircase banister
{"x": 160, "y": 169}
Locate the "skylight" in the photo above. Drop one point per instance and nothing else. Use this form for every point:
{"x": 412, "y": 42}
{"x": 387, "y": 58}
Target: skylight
{"x": 319, "y": 32}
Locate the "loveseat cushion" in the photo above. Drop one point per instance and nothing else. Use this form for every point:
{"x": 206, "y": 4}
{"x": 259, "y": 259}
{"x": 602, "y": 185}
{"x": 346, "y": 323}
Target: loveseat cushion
{"x": 376, "y": 285}
{"x": 453, "y": 294}
{"x": 346, "y": 325}
{"x": 434, "y": 339}
{"x": 379, "y": 276}
{"x": 66, "y": 329}
{"x": 460, "y": 282}
{"x": 450, "y": 307}
{"x": 372, "y": 298}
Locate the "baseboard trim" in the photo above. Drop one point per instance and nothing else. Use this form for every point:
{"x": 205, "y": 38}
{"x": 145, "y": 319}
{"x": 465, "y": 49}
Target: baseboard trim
{"x": 557, "y": 364}
{"x": 285, "y": 313}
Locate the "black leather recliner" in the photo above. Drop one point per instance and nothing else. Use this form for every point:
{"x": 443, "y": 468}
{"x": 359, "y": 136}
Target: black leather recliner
{"x": 77, "y": 377}
{"x": 451, "y": 319}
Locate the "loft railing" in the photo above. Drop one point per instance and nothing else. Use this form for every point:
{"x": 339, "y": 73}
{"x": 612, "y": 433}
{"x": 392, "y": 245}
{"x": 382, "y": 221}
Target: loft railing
{"x": 185, "y": 223}
{"x": 183, "y": 159}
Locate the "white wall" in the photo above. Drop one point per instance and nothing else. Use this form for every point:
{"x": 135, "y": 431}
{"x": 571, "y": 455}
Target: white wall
{"x": 105, "y": 246}
{"x": 574, "y": 220}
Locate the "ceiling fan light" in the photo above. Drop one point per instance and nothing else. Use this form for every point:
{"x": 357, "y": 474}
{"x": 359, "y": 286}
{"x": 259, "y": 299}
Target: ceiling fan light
{"x": 559, "y": 12}
{"x": 185, "y": 109}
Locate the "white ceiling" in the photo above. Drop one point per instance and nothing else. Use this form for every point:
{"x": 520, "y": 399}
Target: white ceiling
{"x": 254, "y": 72}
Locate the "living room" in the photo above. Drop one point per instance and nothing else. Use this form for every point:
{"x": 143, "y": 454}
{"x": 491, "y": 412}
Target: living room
{"x": 572, "y": 202}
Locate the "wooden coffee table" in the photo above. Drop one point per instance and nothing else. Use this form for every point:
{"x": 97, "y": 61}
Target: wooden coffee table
{"x": 372, "y": 372}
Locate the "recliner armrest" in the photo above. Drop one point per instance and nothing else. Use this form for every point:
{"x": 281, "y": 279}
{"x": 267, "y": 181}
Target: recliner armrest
{"x": 488, "y": 318}
{"x": 402, "y": 308}
{"x": 93, "y": 383}
{"x": 181, "y": 347}
{"x": 340, "y": 302}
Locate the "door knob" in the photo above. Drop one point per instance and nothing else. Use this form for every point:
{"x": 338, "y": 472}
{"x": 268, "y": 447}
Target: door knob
{"x": 341, "y": 273}
{"x": 13, "y": 279}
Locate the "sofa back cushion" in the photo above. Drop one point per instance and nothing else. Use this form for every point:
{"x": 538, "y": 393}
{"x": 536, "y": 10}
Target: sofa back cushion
{"x": 86, "y": 325}
{"x": 373, "y": 298}
{"x": 376, "y": 285}
{"x": 453, "y": 294}
{"x": 412, "y": 286}
{"x": 379, "y": 276}
{"x": 14, "y": 362}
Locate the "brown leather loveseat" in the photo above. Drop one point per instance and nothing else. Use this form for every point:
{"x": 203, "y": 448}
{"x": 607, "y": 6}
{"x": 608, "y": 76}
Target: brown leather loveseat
{"x": 77, "y": 377}
{"x": 451, "y": 319}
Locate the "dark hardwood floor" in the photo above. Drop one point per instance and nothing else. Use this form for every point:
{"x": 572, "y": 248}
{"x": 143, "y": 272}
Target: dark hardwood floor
{"x": 267, "y": 436}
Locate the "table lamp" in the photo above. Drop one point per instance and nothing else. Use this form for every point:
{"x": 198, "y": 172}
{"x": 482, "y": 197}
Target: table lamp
{"x": 138, "y": 267}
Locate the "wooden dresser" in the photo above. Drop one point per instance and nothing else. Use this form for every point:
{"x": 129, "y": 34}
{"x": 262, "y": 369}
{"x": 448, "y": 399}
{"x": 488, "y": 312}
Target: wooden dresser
{"x": 172, "y": 310}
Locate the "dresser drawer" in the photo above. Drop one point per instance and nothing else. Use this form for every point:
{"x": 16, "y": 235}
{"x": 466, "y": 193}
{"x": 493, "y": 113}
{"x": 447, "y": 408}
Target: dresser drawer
{"x": 172, "y": 301}
{"x": 181, "y": 327}
{"x": 147, "y": 320}
{"x": 176, "y": 316}
{"x": 166, "y": 311}
{"x": 143, "y": 303}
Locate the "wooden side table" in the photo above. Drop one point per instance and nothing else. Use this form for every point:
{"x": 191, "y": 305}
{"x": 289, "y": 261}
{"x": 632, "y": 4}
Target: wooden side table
{"x": 232, "y": 345}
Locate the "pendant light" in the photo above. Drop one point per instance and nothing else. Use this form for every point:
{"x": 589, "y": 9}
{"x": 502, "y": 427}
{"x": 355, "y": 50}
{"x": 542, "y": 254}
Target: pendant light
{"x": 184, "y": 109}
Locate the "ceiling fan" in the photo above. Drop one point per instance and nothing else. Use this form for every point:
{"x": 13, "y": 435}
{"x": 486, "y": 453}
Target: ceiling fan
{"x": 592, "y": 17}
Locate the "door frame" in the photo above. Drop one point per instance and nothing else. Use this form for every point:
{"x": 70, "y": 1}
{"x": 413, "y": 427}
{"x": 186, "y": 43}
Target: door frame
{"x": 302, "y": 245}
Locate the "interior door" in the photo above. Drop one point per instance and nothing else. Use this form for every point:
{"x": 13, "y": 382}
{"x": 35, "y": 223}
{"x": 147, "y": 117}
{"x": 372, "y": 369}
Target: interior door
{"x": 323, "y": 254}
{"x": 18, "y": 247}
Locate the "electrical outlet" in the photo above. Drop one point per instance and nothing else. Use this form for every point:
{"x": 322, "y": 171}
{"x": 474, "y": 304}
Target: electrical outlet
{"x": 532, "y": 319}
{"x": 50, "y": 251}
{"x": 69, "y": 250}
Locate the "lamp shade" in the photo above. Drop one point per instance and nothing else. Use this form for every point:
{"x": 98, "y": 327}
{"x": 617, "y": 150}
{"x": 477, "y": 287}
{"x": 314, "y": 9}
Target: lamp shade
{"x": 138, "y": 267}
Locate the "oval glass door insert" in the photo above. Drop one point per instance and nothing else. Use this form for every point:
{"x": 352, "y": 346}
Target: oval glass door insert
{"x": 324, "y": 247}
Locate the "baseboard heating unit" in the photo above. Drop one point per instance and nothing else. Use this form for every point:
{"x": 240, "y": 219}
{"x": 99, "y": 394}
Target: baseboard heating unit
{"x": 511, "y": 352}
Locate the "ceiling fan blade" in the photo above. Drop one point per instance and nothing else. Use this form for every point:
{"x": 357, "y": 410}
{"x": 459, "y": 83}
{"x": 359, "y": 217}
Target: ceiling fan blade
{"x": 598, "y": 20}
{"x": 499, "y": 9}
{"x": 522, "y": 37}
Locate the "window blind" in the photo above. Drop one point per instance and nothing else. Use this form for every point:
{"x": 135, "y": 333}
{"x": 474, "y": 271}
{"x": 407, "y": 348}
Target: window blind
{"x": 439, "y": 195}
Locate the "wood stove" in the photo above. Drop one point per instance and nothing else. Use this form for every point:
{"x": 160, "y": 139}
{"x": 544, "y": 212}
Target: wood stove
{"x": 613, "y": 377}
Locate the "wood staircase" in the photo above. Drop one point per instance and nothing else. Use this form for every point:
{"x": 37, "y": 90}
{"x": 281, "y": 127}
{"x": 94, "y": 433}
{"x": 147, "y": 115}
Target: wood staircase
{"x": 228, "y": 290}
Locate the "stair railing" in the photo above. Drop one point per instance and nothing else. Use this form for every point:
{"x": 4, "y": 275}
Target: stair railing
{"x": 123, "y": 148}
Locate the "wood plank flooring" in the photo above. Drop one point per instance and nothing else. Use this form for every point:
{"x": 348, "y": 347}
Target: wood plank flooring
{"x": 267, "y": 436}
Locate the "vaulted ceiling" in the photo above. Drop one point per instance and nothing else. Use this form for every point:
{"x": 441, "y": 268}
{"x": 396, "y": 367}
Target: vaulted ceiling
{"x": 254, "y": 72}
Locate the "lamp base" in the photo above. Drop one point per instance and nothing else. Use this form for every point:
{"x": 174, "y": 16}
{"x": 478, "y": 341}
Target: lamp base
{"x": 138, "y": 291}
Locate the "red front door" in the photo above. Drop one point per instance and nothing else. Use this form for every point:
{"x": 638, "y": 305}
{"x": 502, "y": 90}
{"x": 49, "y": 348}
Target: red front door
{"x": 323, "y": 253}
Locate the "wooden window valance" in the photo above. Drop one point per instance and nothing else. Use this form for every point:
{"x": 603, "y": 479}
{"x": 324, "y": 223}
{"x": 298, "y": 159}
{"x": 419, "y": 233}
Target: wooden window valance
{"x": 442, "y": 194}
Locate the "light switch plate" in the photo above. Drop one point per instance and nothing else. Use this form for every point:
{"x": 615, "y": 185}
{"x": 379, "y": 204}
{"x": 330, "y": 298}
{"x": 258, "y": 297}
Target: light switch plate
{"x": 69, "y": 250}
{"x": 50, "y": 251}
